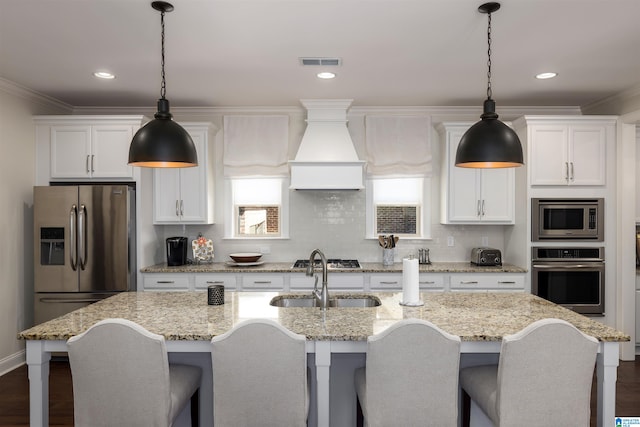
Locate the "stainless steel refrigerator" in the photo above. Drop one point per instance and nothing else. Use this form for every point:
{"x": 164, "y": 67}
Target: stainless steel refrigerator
{"x": 84, "y": 246}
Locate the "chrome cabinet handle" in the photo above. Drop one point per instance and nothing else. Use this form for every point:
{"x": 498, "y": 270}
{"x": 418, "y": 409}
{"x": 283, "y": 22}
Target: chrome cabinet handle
{"x": 506, "y": 282}
{"x": 469, "y": 282}
{"x": 92, "y": 157}
{"x": 165, "y": 281}
{"x": 177, "y": 208}
{"x": 213, "y": 282}
{"x": 262, "y": 282}
{"x": 181, "y": 207}
{"x": 431, "y": 282}
{"x": 482, "y": 207}
{"x": 87, "y": 164}
{"x": 478, "y": 208}
{"x": 566, "y": 171}
{"x": 389, "y": 283}
{"x": 572, "y": 176}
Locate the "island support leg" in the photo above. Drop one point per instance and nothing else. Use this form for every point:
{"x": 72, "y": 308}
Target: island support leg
{"x": 38, "y": 363}
{"x": 607, "y": 373}
{"x": 323, "y": 371}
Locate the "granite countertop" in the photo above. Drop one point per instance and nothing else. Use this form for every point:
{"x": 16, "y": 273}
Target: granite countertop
{"x": 367, "y": 267}
{"x": 186, "y": 316}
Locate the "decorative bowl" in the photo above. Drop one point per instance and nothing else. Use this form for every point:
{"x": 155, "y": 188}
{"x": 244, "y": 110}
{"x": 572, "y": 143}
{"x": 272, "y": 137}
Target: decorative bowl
{"x": 243, "y": 257}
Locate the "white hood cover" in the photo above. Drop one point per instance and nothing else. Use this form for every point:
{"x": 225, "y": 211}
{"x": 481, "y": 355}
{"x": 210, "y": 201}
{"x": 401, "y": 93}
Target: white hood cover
{"x": 326, "y": 159}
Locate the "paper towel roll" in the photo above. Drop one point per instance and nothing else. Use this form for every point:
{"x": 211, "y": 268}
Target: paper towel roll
{"x": 410, "y": 281}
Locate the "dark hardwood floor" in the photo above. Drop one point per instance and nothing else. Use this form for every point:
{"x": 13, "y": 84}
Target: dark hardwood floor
{"x": 14, "y": 395}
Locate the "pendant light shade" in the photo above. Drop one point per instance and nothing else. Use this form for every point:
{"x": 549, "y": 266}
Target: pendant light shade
{"x": 489, "y": 143}
{"x": 162, "y": 143}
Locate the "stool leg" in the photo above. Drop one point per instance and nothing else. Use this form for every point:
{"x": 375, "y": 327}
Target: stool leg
{"x": 466, "y": 409}
{"x": 195, "y": 409}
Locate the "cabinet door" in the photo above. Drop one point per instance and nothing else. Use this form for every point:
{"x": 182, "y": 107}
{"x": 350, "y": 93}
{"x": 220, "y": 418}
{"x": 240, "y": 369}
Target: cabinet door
{"x": 498, "y": 195}
{"x": 166, "y": 195}
{"x": 463, "y": 189}
{"x": 587, "y": 152}
{"x": 548, "y": 161}
{"x": 110, "y": 151}
{"x": 70, "y": 151}
{"x": 193, "y": 184}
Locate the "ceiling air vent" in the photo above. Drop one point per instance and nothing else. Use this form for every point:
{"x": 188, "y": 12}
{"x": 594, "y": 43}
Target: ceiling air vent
{"x": 321, "y": 61}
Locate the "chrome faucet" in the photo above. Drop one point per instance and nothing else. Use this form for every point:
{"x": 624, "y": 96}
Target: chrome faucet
{"x": 322, "y": 296}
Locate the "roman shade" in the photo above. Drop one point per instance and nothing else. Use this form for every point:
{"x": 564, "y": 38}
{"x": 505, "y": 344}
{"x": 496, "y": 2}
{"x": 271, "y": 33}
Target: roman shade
{"x": 256, "y": 145}
{"x": 398, "y": 145}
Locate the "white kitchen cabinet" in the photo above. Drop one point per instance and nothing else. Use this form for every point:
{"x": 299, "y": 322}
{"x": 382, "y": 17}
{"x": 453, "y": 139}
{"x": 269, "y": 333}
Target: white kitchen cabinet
{"x": 204, "y": 280}
{"x": 473, "y": 196}
{"x": 262, "y": 282}
{"x": 85, "y": 147}
{"x": 336, "y": 282}
{"x": 567, "y": 150}
{"x": 185, "y": 195}
{"x": 166, "y": 282}
{"x": 393, "y": 282}
{"x": 483, "y": 282}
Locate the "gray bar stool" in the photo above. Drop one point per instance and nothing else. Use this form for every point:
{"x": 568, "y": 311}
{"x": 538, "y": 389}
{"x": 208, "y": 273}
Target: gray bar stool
{"x": 121, "y": 377}
{"x": 411, "y": 377}
{"x": 543, "y": 378}
{"x": 259, "y": 376}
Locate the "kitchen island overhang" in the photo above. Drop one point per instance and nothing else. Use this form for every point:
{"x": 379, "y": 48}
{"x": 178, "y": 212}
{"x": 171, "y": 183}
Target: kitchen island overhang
{"x": 188, "y": 324}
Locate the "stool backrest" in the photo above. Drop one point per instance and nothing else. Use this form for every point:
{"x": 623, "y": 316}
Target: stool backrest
{"x": 120, "y": 376}
{"x": 412, "y": 374}
{"x": 545, "y": 374}
{"x": 259, "y": 376}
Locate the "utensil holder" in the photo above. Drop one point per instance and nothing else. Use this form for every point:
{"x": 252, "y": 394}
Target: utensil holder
{"x": 215, "y": 295}
{"x": 387, "y": 256}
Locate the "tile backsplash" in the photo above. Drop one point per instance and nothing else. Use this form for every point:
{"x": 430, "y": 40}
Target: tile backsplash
{"x": 334, "y": 222}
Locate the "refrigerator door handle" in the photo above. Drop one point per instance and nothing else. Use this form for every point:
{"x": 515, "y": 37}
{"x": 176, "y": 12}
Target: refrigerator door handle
{"x": 73, "y": 250}
{"x": 82, "y": 236}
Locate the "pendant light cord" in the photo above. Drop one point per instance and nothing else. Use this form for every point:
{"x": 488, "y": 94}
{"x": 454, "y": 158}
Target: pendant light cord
{"x": 489, "y": 57}
{"x": 163, "y": 86}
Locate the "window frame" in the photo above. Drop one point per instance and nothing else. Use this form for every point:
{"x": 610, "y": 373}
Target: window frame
{"x": 425, "y": 205}
{"x": 231, "y": 209}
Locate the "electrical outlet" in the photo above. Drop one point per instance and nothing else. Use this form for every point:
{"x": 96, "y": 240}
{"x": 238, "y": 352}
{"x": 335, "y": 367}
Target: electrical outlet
{"x": 451, "y": 241}
{"x": 485, "y": 241}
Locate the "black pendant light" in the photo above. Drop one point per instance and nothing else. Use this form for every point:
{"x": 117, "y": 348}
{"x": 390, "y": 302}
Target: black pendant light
{"x": 162, "y": 143}
{"x": 489, "y": 143}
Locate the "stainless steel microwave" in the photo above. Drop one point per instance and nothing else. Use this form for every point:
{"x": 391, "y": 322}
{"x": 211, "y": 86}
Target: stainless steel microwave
{"x": 567, "y": 219}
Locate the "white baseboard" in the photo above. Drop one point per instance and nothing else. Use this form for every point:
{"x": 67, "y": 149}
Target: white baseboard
{"x": 13, "y": 361}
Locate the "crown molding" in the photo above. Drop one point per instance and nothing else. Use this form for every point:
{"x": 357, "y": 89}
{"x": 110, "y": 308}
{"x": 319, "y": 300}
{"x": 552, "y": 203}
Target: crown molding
{"x": 30, "y": 95}
{"x": 614, "y": 103}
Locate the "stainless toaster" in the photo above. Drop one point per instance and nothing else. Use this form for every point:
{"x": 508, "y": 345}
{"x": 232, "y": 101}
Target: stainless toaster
{"x": 486, "y": 256}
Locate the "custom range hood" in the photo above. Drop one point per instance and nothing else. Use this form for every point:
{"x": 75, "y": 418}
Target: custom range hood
{"x": 326, "y": 159}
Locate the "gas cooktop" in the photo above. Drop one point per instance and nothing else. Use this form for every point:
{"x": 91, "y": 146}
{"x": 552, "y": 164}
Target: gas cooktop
{"x": 331, "y": 263}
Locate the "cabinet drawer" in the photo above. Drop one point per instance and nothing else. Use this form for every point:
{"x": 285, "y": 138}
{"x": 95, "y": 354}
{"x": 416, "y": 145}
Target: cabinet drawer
{"x": 483, "y": 281}
{"x": 263, "y": 282}
{"x": 168, "y": 282}
{"x": 394, "y": 281}
{"x": 203, "y": 281}
{"x": 340, "y": 281}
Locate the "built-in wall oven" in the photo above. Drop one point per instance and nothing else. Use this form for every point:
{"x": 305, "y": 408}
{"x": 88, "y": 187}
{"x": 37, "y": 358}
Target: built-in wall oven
{"x": 571, "y": 277}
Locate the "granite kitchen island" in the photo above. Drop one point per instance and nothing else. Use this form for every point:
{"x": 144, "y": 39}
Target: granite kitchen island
{"x": 188, "y": 324}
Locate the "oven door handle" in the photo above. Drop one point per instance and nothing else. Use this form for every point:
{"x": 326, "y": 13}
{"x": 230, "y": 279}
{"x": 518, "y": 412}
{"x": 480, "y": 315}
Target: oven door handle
{"x": 572, "y": 266}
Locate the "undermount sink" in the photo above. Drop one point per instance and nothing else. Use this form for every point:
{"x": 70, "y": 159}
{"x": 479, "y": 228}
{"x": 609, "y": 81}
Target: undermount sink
{"x": 350, "y": 301}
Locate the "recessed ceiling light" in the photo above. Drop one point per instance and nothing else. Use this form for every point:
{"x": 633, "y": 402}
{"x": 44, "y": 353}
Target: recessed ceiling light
{"x": 326, "y": 75}
{"x": 104, "y": 75}
{"x": 543, "y": 76}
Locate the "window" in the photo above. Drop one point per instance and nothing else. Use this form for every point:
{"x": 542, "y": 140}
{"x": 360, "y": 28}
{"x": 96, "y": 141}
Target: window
{"x": 398, "y": 206}
{"x": 258, "y": 208}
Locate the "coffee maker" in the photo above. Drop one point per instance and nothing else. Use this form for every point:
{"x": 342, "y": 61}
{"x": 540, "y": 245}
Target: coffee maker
{"x": 176, "y": 251}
